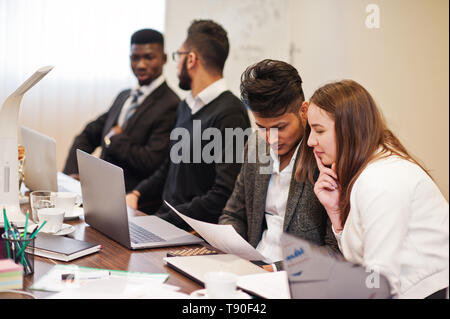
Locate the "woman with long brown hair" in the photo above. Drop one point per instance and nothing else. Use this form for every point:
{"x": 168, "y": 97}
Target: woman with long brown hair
{"x": 386, "y": 211}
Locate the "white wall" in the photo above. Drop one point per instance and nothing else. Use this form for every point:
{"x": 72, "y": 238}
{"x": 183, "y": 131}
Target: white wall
{"x": 253, "y": 27}
{"x": 404, "y": 63}
{"x": 88, "y": 42}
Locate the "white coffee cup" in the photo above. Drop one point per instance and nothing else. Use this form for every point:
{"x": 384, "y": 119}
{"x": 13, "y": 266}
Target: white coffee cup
{"x": 54, "y": 217}
{"x": 66, "y": 201}
{"x": 220, "y": 285}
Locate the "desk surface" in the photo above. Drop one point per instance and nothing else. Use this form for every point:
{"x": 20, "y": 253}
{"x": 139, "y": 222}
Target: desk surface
{"x": 113, "y": 256}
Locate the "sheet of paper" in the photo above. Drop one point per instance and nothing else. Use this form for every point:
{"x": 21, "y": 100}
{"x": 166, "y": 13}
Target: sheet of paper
{"x": 68, "y": 184}
{"x": 222, "y": 237}
{"x": 270, "y": 285}
{"x": 119, "y": 281}
{"x": 116, "y": 288}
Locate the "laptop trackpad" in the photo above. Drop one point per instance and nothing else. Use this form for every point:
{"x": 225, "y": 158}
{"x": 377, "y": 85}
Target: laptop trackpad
{"x": 159, "y": 227}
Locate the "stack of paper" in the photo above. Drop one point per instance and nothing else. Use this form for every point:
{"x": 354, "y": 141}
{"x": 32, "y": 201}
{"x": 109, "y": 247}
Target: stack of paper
{"x": 117, "y": 285}
{"x": 269, "y": 285}
{"x": 11, "y": 275}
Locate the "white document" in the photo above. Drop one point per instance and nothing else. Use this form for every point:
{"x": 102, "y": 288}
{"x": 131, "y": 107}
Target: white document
{"x": 222, "y": 237}
{"x": 68, "y": 184}
{"x": 118, "y": 283}
{"x": 117, "y": 288}
{"x": 9, "y": 177}
{"x": 270, "y": 285}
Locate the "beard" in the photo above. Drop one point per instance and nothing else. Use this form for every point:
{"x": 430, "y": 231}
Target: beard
{"x": 184, "y": 78}
{"x": 145, "y": 82}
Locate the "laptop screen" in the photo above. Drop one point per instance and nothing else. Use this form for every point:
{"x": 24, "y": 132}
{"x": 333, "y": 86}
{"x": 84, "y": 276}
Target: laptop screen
{"x": 103, "y": 190}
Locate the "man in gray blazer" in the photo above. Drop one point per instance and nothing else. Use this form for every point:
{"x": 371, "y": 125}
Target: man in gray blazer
{"x": 267, "y": 200}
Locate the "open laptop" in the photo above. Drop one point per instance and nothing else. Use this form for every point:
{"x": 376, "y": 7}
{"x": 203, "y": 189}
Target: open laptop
{"x": 40, "y": 160}
{"x": 40, "y": 164}
{"x": 314, "y": 273}
{"x": 105, "y": 209}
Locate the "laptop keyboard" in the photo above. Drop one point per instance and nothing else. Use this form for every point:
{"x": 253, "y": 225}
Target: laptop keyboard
{"x": 140, "y": 235}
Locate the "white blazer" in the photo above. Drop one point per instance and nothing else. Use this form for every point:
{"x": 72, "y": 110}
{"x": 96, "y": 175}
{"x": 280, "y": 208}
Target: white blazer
{"x": 398, "y": 224}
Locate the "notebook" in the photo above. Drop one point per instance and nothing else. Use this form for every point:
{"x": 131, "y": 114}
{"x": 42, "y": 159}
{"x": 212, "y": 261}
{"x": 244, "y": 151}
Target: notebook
{"x": 11, "y": 275}
{"x": 62, "y": 248}
{"x": 195, "y": 267}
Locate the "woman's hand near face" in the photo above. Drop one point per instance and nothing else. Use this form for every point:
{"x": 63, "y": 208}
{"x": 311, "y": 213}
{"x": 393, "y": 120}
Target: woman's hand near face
{"x": 327, "y": 190}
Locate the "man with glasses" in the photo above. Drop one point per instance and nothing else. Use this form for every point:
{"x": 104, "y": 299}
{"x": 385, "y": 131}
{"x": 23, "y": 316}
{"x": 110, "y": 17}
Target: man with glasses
{"x": 134, "y": 132}
{"x": 195, "y": 186}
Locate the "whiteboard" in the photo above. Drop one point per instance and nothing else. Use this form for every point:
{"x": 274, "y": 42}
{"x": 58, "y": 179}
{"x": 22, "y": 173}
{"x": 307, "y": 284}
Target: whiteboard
{"x": 257, "y": 29}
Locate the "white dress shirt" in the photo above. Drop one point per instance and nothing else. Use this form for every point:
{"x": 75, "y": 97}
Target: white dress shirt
{"x": 398, "y": 224}
{"x": 206, "y": 96}
{"x": 276, "y": 201}
{"x": 146, "y": 91}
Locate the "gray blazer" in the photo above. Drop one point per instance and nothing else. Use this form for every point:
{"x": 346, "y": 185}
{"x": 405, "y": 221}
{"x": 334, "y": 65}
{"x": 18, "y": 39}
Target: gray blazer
{"x": 305, "y": 217}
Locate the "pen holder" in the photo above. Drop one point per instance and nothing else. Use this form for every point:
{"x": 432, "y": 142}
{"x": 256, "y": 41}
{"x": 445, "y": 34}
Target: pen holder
{"x": 20, "y": 250}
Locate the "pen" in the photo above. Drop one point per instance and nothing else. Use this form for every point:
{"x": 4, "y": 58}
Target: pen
{"x": 18, "y": 248}
{"x": 35, "y": 231}
{"x": 86, "y": 276}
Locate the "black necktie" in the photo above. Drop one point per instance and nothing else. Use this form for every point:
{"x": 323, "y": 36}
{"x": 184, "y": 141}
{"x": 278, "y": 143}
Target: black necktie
{"x": 133, "y": 106}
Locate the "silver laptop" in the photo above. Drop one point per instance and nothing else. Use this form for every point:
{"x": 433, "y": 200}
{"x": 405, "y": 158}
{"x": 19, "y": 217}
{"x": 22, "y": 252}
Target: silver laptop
{"x": 315, "y": 273}
{"x": 40, "y": 164}
{"x": 105, "y": 209}
{"x": 40, "y": 160}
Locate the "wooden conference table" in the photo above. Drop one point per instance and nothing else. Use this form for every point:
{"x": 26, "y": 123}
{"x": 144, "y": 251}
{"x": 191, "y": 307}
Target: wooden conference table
{"x": 112, "y": 256}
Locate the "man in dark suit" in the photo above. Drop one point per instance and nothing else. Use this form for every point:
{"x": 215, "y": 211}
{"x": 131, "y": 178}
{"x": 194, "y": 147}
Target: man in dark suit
{"x": 267, "y": 200}
{"x": 194, "y": 185}
{"x": 134, "y": 133}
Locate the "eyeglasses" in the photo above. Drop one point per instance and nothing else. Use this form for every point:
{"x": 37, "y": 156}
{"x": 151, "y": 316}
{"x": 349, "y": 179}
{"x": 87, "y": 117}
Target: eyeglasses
{"x": 176, "y": 55}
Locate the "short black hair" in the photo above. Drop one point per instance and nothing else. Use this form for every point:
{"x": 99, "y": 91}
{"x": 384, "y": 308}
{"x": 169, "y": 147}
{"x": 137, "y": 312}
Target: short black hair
{"x": 211, "y": 42}
{"x": 271, "y": 88}
{"x": 145, "y": 36}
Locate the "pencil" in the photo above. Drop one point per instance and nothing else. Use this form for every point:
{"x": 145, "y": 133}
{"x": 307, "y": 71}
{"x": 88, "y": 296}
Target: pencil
{"x": 18, "y": 248}
{"x": 26, "y": 225}
{"x": 5, "y": 222}
{"x": 25, "y": 236}
{"x": 32, "y": 237}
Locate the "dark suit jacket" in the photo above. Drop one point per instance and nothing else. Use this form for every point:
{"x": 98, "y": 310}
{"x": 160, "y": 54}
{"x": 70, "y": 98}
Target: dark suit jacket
{"x": 143, "y": 145}
{"x": 305, "y": 217}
